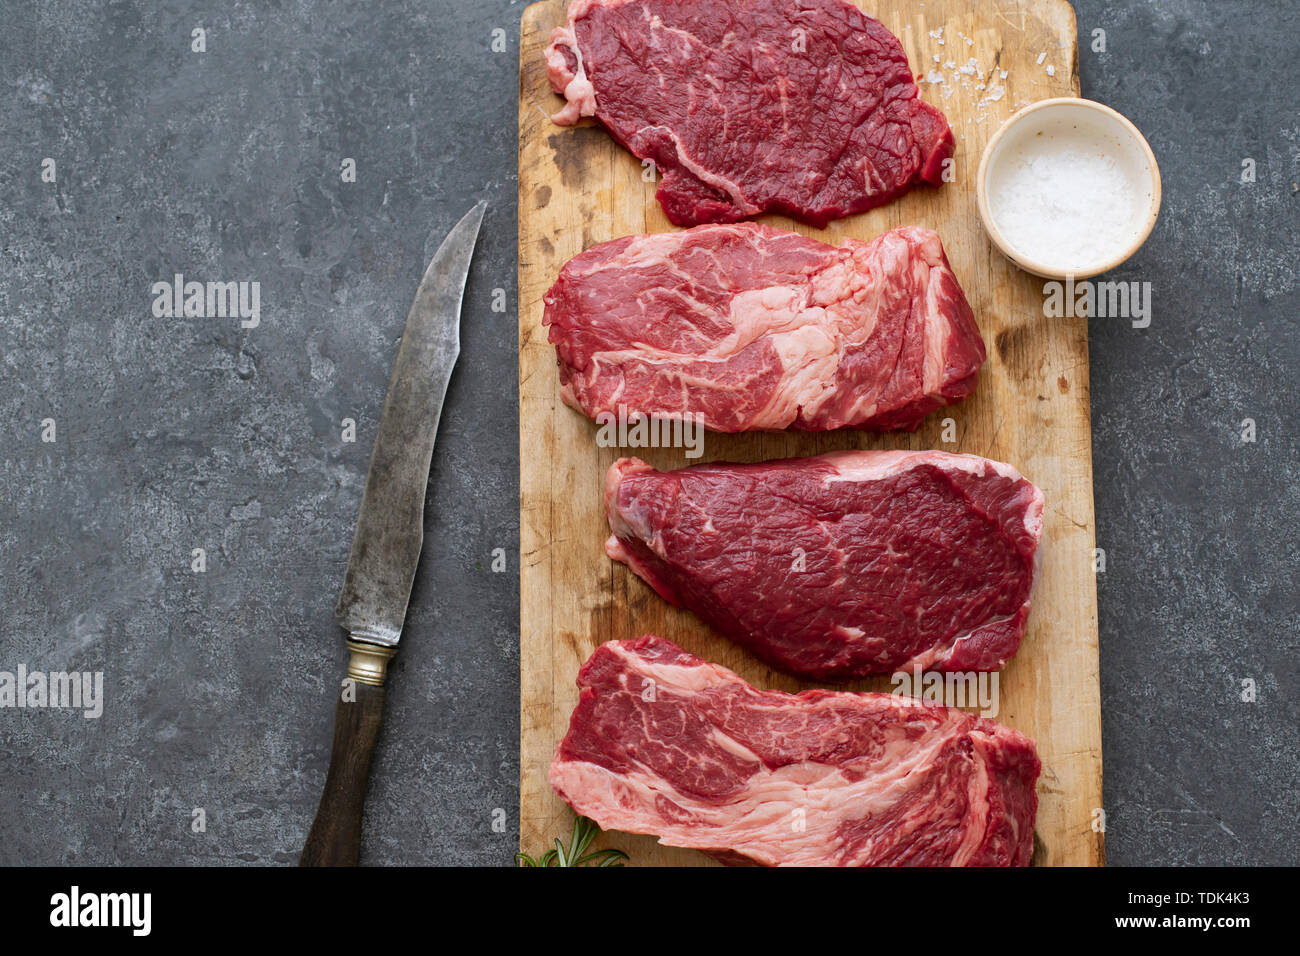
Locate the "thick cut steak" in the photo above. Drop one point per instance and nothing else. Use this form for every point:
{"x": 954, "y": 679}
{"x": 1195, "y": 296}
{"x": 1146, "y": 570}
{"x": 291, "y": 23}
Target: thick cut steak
{"x": 804, "y": 107}
{"x": 744, "y": 327}
{"x": 664, "y": 743}
{"x": 841, "y": 566}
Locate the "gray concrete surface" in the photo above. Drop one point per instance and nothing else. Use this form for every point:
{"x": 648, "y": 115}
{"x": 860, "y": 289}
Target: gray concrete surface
{"x": 176, "y": 434}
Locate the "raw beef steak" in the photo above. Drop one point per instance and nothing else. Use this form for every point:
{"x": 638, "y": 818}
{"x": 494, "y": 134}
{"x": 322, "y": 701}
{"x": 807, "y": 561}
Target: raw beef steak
{"x": 804, "y": 107}
{"x": 743, "y": 327}
{"x": 841, "y": 566}
{"x": 664, "y": 743}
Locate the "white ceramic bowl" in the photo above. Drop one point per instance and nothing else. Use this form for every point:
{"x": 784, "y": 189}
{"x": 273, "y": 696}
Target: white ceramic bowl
{"x": 1039, "y": 218}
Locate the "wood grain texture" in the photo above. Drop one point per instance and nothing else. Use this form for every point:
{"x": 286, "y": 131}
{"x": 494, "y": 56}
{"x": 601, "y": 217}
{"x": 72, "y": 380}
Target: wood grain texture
{"x": 1031, "y": 409}
{"x": 335, "y": 836}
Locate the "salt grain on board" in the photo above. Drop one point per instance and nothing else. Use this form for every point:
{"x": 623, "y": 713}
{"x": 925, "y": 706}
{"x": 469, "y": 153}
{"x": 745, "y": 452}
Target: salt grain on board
{"x": 949, "y": 76}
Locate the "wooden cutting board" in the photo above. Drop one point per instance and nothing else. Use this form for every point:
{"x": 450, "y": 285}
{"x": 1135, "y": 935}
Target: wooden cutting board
{"x": 577, "y": 188}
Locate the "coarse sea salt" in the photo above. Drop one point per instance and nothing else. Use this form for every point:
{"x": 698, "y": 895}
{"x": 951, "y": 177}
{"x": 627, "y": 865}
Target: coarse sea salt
{"x": 949, "y": 78}
{"x": 1064, "y": 199}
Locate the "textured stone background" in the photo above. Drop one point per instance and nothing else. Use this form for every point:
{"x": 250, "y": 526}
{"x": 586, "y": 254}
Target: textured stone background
{"x": 177, "y": 434}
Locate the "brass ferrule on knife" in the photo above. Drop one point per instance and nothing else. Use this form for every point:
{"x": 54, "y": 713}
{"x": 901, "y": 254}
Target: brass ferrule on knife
{"x": 368, "y": 663}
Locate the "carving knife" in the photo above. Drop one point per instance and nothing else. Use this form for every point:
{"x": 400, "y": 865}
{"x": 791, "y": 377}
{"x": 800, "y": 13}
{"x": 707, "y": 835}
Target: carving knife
{"x": 389, "y": 536}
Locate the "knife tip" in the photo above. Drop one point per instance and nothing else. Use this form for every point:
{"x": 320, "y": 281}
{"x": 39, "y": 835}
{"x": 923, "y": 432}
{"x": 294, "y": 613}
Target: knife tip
{"x": 476, "y": 213}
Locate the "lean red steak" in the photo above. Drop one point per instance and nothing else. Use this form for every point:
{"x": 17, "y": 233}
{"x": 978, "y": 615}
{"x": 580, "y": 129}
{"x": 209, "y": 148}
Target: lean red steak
{"x": 803, "y": 107}
{"x": 844, "y": 565}
{"x": 744, "y": 327}
{"x": 662, "y": 742}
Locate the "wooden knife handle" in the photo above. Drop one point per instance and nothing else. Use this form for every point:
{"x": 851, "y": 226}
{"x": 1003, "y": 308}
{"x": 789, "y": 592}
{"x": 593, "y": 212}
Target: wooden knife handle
{"x": 335, "y": 837}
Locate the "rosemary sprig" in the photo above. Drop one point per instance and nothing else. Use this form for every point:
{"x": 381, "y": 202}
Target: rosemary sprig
{"x": 584, "y": 831}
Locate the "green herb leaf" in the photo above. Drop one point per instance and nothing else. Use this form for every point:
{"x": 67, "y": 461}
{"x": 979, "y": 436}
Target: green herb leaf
{"x": 584, "y": 832}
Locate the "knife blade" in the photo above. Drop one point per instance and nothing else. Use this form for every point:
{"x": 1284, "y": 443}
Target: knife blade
{"x": 388, "y": 538}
